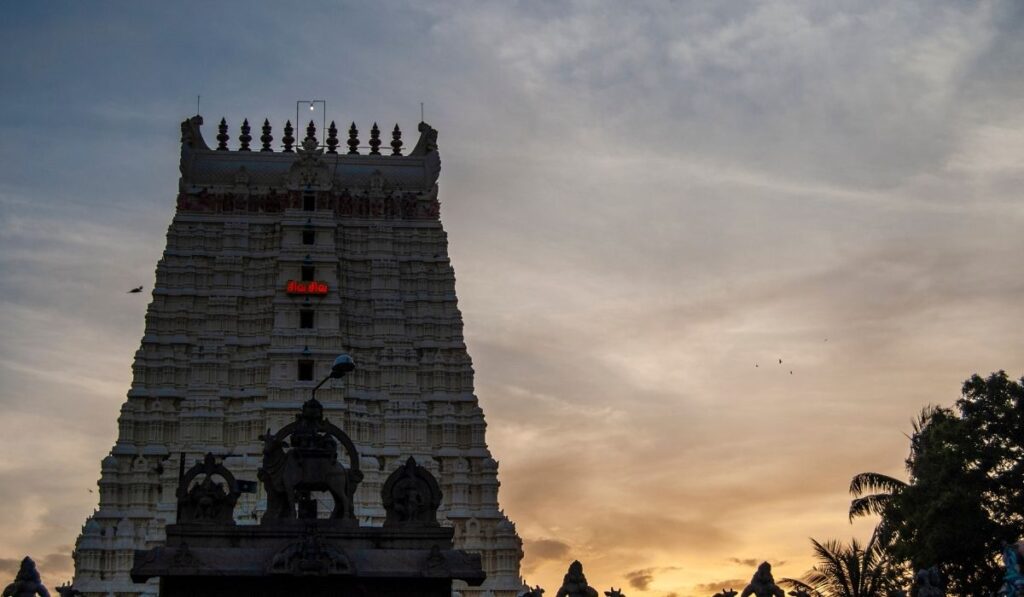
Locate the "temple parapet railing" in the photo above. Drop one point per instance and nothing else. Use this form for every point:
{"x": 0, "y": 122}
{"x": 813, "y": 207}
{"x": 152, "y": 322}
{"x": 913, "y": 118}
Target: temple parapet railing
{"x": 307, "y": 167}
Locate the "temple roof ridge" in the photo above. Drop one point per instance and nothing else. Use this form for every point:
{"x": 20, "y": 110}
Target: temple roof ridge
{"x": 322, "y": 165}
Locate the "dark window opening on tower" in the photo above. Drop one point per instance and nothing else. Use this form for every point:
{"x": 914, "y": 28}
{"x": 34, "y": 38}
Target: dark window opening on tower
{"x": 309, "y": 237}
{"x": 305, "y": 370}
{"x": 308, "y": 202}
{"x": 308, "y": 273}
{"x": 306, "y": 319}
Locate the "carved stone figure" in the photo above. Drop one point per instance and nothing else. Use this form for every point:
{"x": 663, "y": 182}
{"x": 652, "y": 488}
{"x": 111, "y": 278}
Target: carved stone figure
{"x": 310, "y": 465}
{"x": 207, "y": 501}
{"x": 27, "y": 582}
{"x": 411, "y": 496}
{"x": 66, "y": 590}
{"x": 427, "y": 142}
{"x": 1013, "y": 577}
{"x": 929, "y": 583}
{"x": 614, "y": 593}
{"x": 574, "y": 583}
{"x": 725, "y": 593}
{"x": 763, "y": 583}
{"x": 310, "y": 556}
{"x": 534, "y": 592}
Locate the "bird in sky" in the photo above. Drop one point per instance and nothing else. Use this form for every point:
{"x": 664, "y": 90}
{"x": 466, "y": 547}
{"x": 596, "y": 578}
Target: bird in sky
{"x": 780, "y": 361}
{"x": 135, "y": 290}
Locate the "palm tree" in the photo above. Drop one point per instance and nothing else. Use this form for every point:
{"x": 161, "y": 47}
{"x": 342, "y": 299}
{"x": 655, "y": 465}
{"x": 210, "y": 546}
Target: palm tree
{"x": 873, "y": 493}
{"x": 848, "y": 570}
{"x": 864, "y": 503}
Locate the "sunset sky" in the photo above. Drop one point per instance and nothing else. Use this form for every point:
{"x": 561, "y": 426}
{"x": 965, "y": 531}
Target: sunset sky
{"x": 648, "y": 205}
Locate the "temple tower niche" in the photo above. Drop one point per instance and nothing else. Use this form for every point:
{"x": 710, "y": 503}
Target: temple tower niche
{"x": 276, "y": 261}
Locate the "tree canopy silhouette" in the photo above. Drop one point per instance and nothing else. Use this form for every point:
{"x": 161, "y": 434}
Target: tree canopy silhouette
{"x": 965, "y": 493}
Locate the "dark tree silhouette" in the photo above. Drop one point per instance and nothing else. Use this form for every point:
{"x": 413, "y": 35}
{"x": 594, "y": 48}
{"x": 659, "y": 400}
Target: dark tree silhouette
{"x": 965, "y": 493}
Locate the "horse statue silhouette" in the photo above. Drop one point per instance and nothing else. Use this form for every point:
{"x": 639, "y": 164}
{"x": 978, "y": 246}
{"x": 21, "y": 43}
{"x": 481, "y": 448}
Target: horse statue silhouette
{"x": 311, "y": 464}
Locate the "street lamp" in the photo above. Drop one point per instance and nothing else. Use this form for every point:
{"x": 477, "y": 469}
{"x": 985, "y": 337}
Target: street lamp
{"x": 343, "y": 364}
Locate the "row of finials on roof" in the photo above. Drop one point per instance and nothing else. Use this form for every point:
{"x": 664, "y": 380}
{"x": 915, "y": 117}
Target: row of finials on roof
{"x": 289, "y": 140}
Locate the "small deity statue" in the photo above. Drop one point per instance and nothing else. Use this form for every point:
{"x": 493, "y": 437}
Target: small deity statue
{"x": 66, "y": 590}
{"x": 1013, "y": 578}
{"x": 27, "y": 583}
{"x": 725, "y": 593}
{"x": 763, "y": 583}
{"x": 411, "y": 496}
{"x": 574, "y": 583}
{"x": 207, "y": 501}
{"x": 929, "y": 583}
{"x": 614, "y": 593}
{"x": 534, "y": 592}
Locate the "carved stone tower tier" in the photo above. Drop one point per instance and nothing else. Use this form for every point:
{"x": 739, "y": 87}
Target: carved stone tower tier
{"x": 276, "y": 261}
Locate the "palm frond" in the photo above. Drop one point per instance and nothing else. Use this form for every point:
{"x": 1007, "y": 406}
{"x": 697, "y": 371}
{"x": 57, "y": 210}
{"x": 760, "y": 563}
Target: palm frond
{"x": 865, "y": 482}
{"x": 869, "y": 504}
{"x": 848, "y": 570}
{"x": 792, "y": 583}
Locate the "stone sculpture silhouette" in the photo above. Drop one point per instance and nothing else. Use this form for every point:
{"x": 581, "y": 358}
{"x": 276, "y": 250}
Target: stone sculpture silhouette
{"x": 614, "y": 593}
{"x": 574, "y": 583}
{"x": 763, "y": 583}
{"x": 310, "y": 465}
{"x": 534, "y": 592}
{"x": 411, "y": 496}
{"x": 207, "y": 501}
{"x": 27, "y": 582}
{"x": 66, "y": 590}
{"x": 725, "y": 593}
{"x": 282, "y": 475}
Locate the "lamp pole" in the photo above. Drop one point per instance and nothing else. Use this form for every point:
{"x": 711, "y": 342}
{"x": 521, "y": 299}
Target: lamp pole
{"x": 343, "y": 364}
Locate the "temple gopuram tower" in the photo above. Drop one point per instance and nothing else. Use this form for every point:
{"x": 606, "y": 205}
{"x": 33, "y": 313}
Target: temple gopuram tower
{"x": 279, "y": 257}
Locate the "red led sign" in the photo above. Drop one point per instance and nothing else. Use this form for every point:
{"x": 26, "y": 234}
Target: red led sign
{"x": 312, "y": 287}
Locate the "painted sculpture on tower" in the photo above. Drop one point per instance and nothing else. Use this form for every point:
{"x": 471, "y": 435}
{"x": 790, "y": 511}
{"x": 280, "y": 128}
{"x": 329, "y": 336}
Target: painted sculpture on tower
{"x": 1013, "y": 577}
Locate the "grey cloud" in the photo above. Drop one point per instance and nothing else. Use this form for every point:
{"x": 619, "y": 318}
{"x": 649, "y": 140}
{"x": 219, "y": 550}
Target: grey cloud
{"x": 640, "y": 579}
{"x": 546, "y": 549}
{"x": 773, "y": 83}
{"x": 749, "y": 562}
{"x": 731, "y": 583}
{"x": 9, "y": 566}
{"x": 754, "y": 562}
